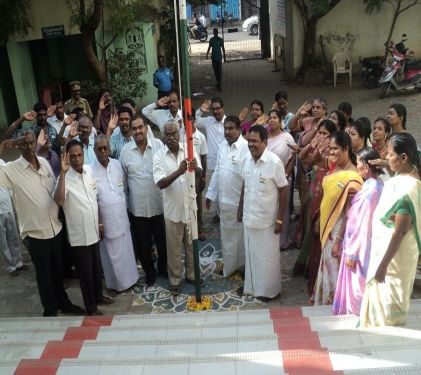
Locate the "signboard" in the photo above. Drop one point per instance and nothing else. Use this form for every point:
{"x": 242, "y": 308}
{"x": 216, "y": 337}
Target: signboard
{"x": 282, "y": 25}
{"x": 52, "y": 31}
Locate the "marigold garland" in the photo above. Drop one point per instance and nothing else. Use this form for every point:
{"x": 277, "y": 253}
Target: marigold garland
{"x": 192, "y": 305}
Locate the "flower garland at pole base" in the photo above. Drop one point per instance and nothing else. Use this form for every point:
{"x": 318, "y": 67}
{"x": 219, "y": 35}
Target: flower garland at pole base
{"x": 192, "y": 305}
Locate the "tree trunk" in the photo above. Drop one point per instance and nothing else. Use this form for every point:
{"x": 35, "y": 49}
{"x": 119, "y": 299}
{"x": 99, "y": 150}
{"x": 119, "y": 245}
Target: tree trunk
{"x": 264, "y": 28}
{"x": 88, "y": 41}
{"x": 87, "y": 30}
{"x": 309, "y": 49}
{"x": 392, "y": 28}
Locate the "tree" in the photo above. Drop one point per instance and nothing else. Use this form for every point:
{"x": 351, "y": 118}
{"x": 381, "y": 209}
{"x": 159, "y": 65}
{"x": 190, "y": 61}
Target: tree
{"x": 13, "y": 19}
{"x": 399, "y": 6}
{"x": 311, "y": 11}
{"x": 88, "y": 14}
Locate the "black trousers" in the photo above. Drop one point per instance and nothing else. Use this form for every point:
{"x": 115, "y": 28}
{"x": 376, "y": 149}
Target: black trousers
{"x": 47, "y": 258}
{"x": 88, "y": 268}
{"x": 144, "y": 229}
{"x": 217, "y": 70}
{"x": 67, "y": 253}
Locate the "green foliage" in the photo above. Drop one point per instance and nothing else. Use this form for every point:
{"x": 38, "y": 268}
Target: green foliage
{"x": 124, "y": 74}
{"x": 315, "y": 8}
{"x": 124, "y": 78}
{"x": 374, "y": 5}
{"x": 78, "y": 15}
{"x": 123, "y": 13}
{"x": 13, "y": 18}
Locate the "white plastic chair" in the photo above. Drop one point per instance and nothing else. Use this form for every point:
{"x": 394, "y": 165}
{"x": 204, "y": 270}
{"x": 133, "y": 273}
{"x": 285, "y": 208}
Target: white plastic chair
{"x": 342, "y": 65}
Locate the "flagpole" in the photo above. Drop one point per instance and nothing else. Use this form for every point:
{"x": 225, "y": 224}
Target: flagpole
{"x": 185, "y": 85}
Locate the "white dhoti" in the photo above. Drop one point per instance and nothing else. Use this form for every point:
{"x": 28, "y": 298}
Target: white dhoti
{"x": 232, "y": 239}
{"x": 263, "y": 262}
{"x": 118, "y": 262}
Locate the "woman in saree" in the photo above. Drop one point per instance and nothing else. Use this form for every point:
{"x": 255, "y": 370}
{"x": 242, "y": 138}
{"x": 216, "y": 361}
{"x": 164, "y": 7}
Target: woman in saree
{"x": 396, "y": 238}
{"x": 356, "y": 242}
{"x": 278, "y": 143}
{"x": 339, "y": 187}
{"x": 307, "y": 127}
{"x": 256, "y": 111}
{"x": 315, "y": 154}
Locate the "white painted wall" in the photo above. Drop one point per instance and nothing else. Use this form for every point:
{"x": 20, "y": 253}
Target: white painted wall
{"x": 369, "y": 31}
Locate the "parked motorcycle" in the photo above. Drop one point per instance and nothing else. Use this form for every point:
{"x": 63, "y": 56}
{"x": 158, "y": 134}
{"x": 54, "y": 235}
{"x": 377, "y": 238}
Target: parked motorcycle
{"x": 200, "y": 34}
{"x": 372, "y": 70}
{"x": 401, "y": 73}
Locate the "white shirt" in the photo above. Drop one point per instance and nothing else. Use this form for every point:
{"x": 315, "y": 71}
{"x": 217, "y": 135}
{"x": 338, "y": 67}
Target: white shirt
{"x": 226, "y": 180}
{"x": 89, "y": 155}
{"x": 81, "y": 207}
{"x": 5, "y": 199}
{"x": 214, "y": 135}
{"x": 175, "y": 196}
{"x": 111, "y": 197}
{"x": 160, "y": 116}
{"x": 261, "y": 183}
{"x": 33, "y": 192}
{"x": 199, "y": 141}
{"x": 56, "y": 123}
{"x": 144, "y": 197}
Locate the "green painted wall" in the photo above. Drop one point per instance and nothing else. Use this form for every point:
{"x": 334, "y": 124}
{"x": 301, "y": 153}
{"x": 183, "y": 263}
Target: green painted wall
{"x": 23, "y": 75}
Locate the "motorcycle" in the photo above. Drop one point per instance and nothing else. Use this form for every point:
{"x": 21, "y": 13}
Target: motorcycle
{"x": 372, "y": 70}
{"x": 200, "y": 34}
{"x": 401, "y": 73}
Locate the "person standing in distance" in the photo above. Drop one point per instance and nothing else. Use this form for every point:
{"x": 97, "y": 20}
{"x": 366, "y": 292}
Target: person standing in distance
{"x": 216, "y": 43}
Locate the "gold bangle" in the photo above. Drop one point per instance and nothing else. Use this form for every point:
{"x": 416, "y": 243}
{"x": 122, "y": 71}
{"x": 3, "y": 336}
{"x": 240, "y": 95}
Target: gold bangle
{"x": 278, "y": 221}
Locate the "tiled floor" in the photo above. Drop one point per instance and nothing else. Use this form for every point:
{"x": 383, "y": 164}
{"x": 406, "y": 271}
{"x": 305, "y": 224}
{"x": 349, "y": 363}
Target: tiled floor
{"x": 242, "y": 343}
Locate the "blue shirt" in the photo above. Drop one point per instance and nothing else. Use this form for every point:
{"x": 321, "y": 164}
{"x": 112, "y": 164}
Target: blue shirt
{"x": 162, "y": 79}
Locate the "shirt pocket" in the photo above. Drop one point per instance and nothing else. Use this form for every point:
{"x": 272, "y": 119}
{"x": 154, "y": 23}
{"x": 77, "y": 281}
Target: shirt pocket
{"x": 265, "y": 184}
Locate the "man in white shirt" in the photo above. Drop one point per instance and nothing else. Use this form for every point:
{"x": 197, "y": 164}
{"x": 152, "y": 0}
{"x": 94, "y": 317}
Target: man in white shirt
{"x": 76, "y": 192}
{"x": 116, "y": 247}
{"x": 145, "y": 198}
{"x": 32, "y": 181}
{"x": 226, "y": 185}
{"x": 169, "y": 171}
{"x": 57, "y": 119}
{"x": 214, "y": 127}
{"x": 262, "y": 204}
{"x": 158, "y": 113}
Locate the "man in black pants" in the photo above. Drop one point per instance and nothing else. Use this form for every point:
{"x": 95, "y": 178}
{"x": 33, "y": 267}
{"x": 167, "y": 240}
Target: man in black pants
{"x": 145, "y": 198}
{"x": 77, "y": 193}
{"x": 217, "y": 45}
{"x": 32, "y": 180}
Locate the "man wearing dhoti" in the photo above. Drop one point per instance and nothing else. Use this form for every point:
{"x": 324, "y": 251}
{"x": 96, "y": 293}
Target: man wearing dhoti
{"x": 225, "y": 186}
{"x": 116, "y": 247}
{"x": 261, "y": 208}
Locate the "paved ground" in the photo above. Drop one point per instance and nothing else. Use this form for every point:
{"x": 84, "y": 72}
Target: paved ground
{"x": 243, "y": 81}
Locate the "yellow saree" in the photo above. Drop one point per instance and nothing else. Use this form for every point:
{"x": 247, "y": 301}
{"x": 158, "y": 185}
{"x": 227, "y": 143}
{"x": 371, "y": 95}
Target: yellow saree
{"x": 336, "y": 188}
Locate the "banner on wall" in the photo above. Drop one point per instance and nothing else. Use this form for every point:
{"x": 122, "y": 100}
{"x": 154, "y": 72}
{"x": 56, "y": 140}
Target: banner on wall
{"x": 282, "y": 26}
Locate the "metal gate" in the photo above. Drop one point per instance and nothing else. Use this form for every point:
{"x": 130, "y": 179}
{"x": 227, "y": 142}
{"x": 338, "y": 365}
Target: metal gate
{"x": 238, "y": 25}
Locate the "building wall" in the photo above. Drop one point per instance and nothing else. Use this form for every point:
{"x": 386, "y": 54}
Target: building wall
{"x": 366, "y": 33}
{"x": 35, "y": 61}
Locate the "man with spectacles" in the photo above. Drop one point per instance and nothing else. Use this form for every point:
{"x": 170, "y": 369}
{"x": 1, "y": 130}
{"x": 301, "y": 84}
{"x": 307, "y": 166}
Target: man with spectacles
{"x": 76, "y": 101}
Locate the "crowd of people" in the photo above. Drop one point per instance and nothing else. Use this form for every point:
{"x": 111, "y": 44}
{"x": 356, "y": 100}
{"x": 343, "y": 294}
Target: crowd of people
{"x": 102, "y": 192}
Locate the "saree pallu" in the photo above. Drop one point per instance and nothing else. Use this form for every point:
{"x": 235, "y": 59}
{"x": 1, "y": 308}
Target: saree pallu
{"x": 356, "y": 247}
{"x": 336, "y": 188}
{"x": 310, "y": 213}
{"x": 388, "y": 303}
